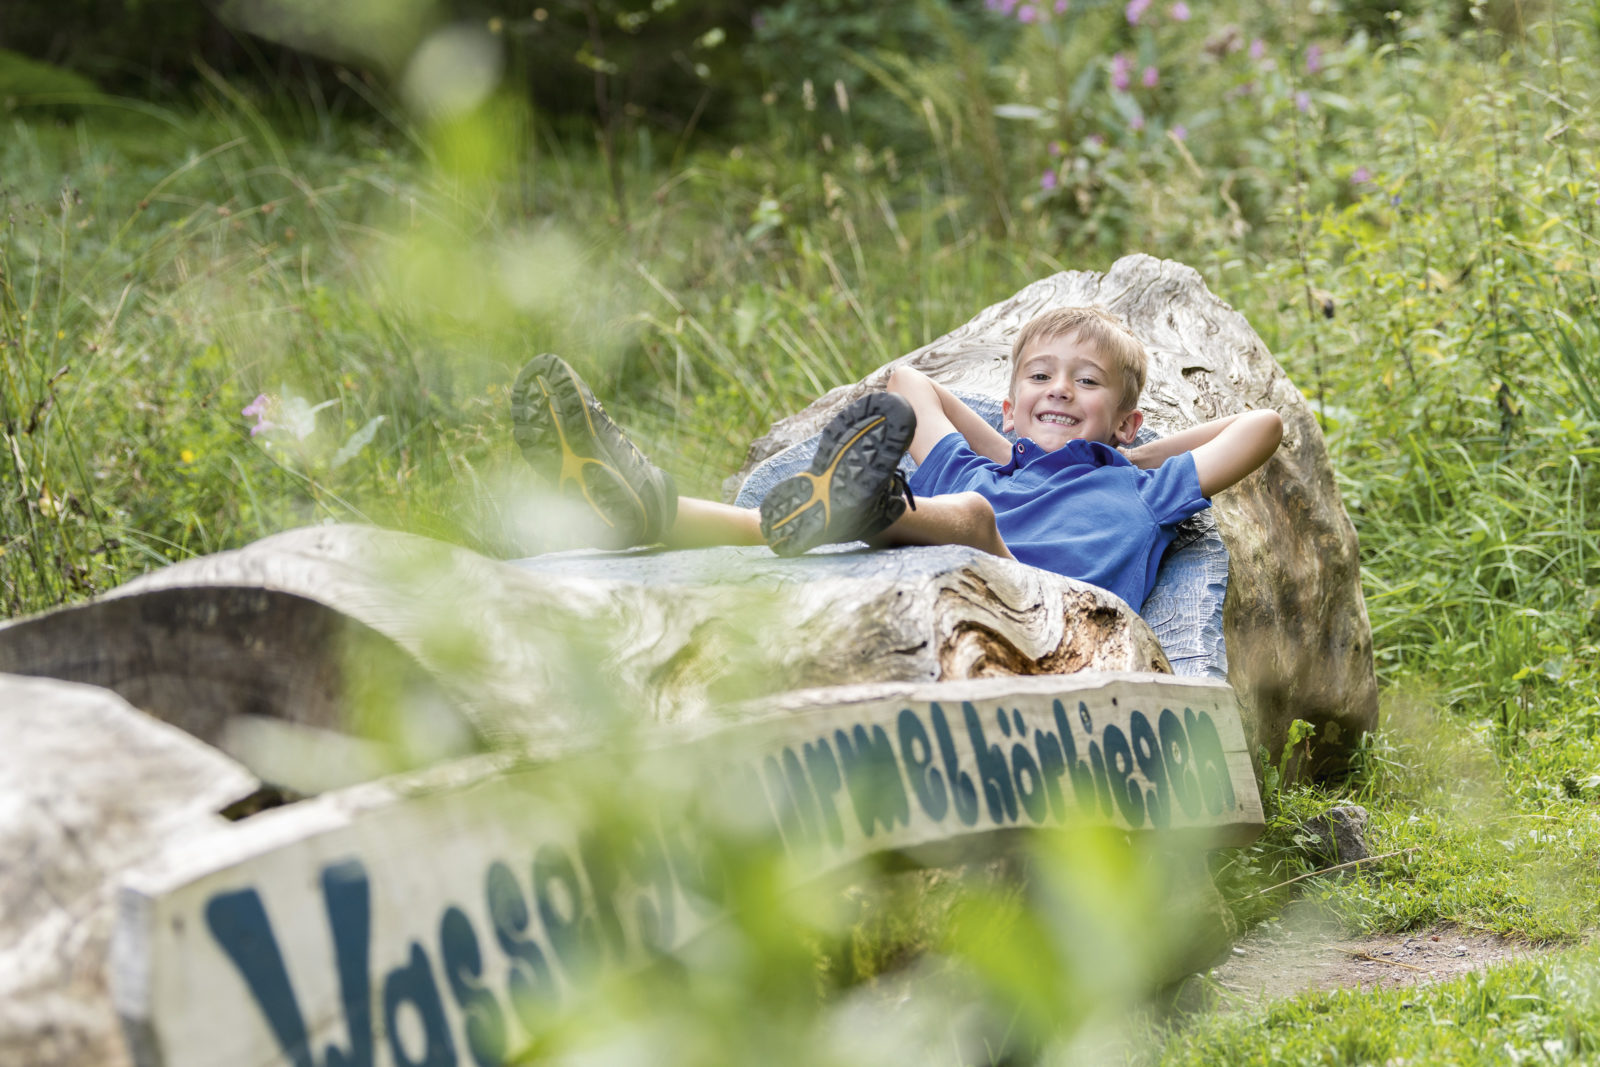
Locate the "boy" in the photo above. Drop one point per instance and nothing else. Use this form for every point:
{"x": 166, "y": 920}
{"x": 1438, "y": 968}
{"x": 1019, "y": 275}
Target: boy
{"x": 1062, "y": 498}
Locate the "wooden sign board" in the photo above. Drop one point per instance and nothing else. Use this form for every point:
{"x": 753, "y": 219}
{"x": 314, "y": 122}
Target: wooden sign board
{"x": 388, "y": 926}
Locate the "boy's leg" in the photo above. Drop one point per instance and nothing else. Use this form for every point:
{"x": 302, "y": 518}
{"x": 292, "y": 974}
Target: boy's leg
{"x": 952, "y": 519}
{"x": 567, "y": 437}
{"x": 853, "y": 489}
{"x": 706, "y": 523}
{"x": 850, "y": 493}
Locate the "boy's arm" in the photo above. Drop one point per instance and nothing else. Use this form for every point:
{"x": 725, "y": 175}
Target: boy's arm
{"x": 1225, "y": 450}
{"x": 939, "y": 412}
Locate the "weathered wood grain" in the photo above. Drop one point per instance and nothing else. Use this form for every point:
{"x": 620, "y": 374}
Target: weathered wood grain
{"x": 89, "y": 788}
{"x": 568, "y": 645}
{"x": 1299, "y": 643}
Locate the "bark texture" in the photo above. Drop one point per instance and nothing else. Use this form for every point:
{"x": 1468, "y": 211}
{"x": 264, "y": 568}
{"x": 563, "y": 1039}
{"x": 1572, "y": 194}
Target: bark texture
{"x": 1299, "y": 644}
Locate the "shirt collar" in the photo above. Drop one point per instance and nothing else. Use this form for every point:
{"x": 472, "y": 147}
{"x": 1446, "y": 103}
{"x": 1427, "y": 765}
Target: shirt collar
{"x": 1074, "y": 453}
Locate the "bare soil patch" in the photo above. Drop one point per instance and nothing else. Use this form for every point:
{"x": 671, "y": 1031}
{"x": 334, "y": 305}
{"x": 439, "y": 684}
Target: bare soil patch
{"x": 1303, "y": 952}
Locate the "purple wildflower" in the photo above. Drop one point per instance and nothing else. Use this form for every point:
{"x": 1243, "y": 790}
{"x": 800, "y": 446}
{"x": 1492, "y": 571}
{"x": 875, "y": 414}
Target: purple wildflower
{"x": 1151, "y": 77}
{"x": 1047, "y": 180}
{"x": 260, "y": 407}
{"x": 1137, "y": 122}
{"x": 1135, "y": 11}
{"x": 1302, "y": 100}
{"x": 1094, "y": 141}
{"x": 1360, "y": 176}
{"x": 1121, "y": 69}
{"x": 1062, "y": 5}
{"x": 1027, "y": 13}
{"x": 1313, "y": 59}
{"x": 1056, "y": 148}
{"x": 1180, "y": 132}
{"x": 1179, "y": 11}
{"x": 1258, "y": 48}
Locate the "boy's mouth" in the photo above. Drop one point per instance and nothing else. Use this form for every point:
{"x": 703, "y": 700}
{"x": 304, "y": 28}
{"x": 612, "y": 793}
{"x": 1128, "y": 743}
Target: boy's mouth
{"x": 1056, "y": 418}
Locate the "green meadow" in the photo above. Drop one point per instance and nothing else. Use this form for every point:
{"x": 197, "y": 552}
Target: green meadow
{"x": 1402, "y": 204}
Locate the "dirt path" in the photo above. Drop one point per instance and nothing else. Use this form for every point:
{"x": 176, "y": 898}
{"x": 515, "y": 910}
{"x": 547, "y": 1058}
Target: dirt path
{"x": 1301, "y": 953}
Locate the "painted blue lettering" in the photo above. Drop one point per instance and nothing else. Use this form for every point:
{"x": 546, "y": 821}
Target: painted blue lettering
{"x": 463, "y": 969}
{"x": 238, "y": 921}
{"x": 872, "y": 776}
{"x": 1210, "y": 762}
{"x": 655, "y": 908}
{"x": 992, "y": 770}
{"x": 962, "y": 792}
{"x": 1180, "y": 771}
{"x": 1102, "y": 784}
{"x": 412, "y": 983}
{"x": 796, "y": 834}
{"x": 1052, "y": 766}
{"x": 1119, "y": 766}
{"x": 800, "y": 793}
{"x": 605, "y": 881}
{"x": 824, "y": 771}
{"x": 1147, "y": 754}
{"x": 559, "y": 900}
{"x": 528, "y": 978}
{"x": 1082, "y": 777}
{"x": 916, "y": 750}
{"x": 1029, "y": 782}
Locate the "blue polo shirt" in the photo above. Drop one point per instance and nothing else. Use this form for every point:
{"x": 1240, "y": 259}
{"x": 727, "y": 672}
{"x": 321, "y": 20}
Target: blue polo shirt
{"x": 1083, "y": 510}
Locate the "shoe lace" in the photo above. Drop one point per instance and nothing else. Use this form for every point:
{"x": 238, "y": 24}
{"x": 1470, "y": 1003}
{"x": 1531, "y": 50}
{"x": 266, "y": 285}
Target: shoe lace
{"x": 899, "y": 484}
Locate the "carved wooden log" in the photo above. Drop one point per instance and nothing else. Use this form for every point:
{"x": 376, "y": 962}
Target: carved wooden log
{"x": 89, "y": 788}
{"x": 1299, "y": 643}
{"x": 96, "y": 794}
{"x": 330, "y": 891}
{"x": 562, "y": 645}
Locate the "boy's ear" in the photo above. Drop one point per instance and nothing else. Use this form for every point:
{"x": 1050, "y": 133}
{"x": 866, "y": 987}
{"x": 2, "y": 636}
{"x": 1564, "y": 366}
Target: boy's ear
{"x": 1128, "y": 428}
{"x": 1007, "y": 424}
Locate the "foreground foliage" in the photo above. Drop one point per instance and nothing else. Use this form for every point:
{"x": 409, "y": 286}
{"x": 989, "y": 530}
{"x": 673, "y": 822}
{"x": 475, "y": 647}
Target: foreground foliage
{"x": 1403, "y": 208}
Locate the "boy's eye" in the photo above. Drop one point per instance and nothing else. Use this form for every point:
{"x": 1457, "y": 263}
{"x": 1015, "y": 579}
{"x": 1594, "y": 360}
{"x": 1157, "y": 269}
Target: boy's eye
{"x": 1087, "y": 381}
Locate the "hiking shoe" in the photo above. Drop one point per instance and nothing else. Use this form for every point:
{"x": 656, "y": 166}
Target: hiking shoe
{"x": 565, "y": 435}
{"x": 854, "y": 488}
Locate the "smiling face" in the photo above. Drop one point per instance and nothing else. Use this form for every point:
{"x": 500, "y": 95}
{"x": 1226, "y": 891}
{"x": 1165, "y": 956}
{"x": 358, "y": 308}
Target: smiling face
{"x": 1064, "y": 389}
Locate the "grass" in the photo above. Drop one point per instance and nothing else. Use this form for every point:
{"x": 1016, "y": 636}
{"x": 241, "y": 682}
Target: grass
{"x": 1545, "y": 1010}
{"x": 1417, "y": 246}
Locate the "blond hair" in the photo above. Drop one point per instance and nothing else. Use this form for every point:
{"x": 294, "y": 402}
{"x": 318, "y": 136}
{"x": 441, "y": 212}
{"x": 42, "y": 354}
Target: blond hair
{"x": 1108, "y": 335}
